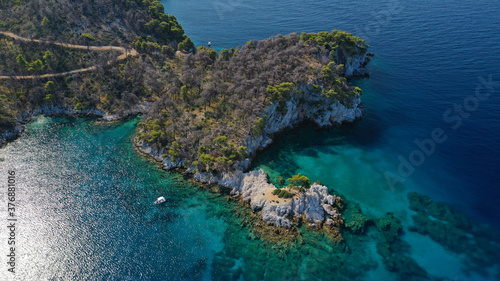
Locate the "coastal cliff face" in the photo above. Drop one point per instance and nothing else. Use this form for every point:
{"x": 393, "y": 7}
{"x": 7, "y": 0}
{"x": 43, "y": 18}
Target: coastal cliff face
{"x": 314, "y": 108}
{"x": 353, "y": 64}
{"x": 69, "y": 111}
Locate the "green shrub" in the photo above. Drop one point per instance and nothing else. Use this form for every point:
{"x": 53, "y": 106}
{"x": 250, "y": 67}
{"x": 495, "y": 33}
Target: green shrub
{"x": 299, "y": 181}
{"x": 282, "y": 193}
{"x": 260, "y": 124}
{"x": 78, "y": 106}
{"x": 316, "y": 88}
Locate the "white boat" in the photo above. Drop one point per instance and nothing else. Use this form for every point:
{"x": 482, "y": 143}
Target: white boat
{"x": 160, "y": 200}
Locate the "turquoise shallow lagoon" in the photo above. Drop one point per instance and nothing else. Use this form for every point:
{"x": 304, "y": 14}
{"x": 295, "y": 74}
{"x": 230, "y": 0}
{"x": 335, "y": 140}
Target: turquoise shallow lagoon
{"x": 84, "y": 207}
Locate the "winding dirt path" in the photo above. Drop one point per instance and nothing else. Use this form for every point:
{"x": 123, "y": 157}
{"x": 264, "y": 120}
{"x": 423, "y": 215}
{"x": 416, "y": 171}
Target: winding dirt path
{"x": 123, "y": 56}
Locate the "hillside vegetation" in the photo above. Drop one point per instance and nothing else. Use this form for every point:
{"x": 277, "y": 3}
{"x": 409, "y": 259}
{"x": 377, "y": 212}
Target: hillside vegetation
{"x": 32, "y": 58}
{"x": 112, "y": 88}
{"x": 202, "y": 103}
{"x": 213, "y": 101}
{"x": 114, "y": 22}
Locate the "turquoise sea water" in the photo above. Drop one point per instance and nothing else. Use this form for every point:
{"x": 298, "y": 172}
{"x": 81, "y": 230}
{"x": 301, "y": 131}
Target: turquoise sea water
{"x": 85, "y": 197}
{"x": 84, "y": 208}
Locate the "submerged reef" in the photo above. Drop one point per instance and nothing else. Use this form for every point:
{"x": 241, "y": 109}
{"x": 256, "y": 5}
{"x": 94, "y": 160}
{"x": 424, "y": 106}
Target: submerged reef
{"x": 354, "y": 219}
{"x": 394, "y": 251}
{"x": 452, "y": 230}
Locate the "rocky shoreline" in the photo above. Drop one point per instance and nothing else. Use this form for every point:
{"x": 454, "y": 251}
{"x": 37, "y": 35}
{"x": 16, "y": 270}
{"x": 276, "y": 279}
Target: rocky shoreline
{"x": 27, "y": 116}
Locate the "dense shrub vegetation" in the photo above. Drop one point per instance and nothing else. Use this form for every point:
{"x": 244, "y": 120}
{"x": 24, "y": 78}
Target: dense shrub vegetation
{"x": 113, "y": 88}
{"x": 114, "y": 22}
{"x": 210, "y": 95}
{"x": 30, "y": 58}
{"x": 203, "y": 104}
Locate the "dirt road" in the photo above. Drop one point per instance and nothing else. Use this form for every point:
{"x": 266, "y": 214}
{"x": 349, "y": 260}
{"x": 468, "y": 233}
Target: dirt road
{"x": 124, "y": 55}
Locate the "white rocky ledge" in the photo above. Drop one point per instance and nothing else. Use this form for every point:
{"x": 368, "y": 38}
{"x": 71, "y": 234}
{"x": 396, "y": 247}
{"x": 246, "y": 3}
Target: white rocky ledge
{"x": 315, "y": 205}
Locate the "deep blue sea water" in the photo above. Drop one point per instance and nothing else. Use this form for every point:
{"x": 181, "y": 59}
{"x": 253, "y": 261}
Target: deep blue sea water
{"x": 430, "y": 55}
{"x": 85, "y": 196}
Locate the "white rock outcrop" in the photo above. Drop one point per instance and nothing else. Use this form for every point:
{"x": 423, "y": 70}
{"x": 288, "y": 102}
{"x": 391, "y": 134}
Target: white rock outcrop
{"x": 354, "y": 65}
{"x": 315, "y": 205}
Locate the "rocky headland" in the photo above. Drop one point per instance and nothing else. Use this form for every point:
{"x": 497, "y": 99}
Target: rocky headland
{"x": 315, "y": 207}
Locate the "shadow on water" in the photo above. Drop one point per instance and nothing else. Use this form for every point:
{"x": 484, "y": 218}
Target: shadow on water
{"x": 308, "y": 140}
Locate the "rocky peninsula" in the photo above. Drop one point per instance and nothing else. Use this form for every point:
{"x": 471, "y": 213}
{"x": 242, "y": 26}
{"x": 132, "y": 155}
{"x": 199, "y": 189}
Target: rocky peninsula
{"x": 206, "y": 112}
{"x": 315, "y": 206}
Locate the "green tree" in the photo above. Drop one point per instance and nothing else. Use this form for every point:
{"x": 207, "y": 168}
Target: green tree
{"x": 327, "y": 72}
{"x": 174, "y": 150}
{"x": 45, "y": 22}
{"x": 242, "y": 152}
{"x": 281, "y": 91}
{"x": 202, "y": 150}
{"x": 186, "y": 45}
{"x": 224, "y": 54}
{"x": 50, "y": 87}
{"x": 259, "y": 125}
{"x": 48, "y": 57}
{"x": 87, "y": 37}
{"x": 21, "y": 61}
{"x": 36, "y": 66}
{"x": 167, "y": 50}
{"x": 330, "y": 93}
{"x": 212, "y": 54}
{"x": 184, "y": 92}
{"x": 299, "y": 182}
{"x": 220, "y": 141}
{"x": 49, "y": 98}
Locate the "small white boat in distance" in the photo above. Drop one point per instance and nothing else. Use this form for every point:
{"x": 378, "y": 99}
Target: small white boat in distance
{"x": 160, "y": 200}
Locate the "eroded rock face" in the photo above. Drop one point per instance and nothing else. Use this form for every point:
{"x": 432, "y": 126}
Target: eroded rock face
{"x": 68, "y": 111}
{"x": 313, "y": 108}
{"x": 10, "y": 134}
{"x": 354, "y": 65}
{"x": 315, "y": 205}
{"x": 57, "y": 110}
